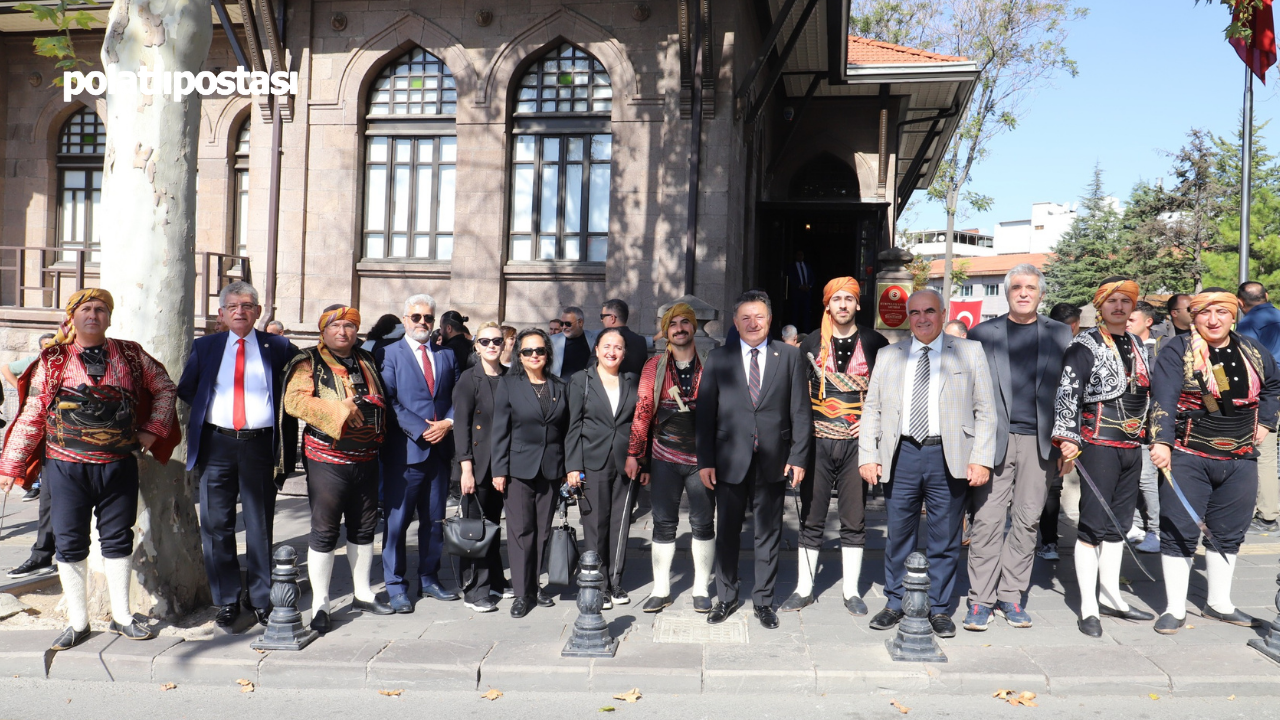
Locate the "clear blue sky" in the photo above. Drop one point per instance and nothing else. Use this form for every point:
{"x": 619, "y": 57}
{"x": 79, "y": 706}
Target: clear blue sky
{"x": 1150, "y": 70}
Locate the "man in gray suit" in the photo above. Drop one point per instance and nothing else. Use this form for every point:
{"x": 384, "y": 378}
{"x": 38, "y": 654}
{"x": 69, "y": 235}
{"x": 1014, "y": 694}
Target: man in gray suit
{"x": 571, "y": 348}
{"x": 929, "y": 423}
{"x": 1024, "y": 353}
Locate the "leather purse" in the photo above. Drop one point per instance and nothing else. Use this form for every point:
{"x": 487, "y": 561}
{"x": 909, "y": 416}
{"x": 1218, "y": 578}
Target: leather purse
{"x": 562, "y": 551}
{"x": 469, "y": 537}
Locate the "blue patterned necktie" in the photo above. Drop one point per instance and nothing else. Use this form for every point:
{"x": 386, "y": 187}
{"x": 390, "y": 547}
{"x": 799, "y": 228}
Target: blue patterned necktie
{"x": 920, "y": 398}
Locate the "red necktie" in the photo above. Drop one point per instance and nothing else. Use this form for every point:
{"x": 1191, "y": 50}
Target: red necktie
{"x": 237, "y": 407}
{"x": 427, "y": 372}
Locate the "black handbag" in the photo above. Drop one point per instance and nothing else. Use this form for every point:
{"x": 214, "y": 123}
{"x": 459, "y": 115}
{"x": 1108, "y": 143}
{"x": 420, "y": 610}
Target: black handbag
{"x": 469, "y": 537}
{"x": 562, "y": 551}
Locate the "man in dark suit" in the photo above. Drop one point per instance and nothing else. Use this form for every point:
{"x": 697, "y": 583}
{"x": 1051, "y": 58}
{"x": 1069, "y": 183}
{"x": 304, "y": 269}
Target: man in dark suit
{"x": 755, "y": 429}
{"x": 614, "y": 314}
{"x": 1024, "y": 354}
{"x": 416, "y": 455}
{"x": 232, "y": 381}
{"x": 800, "y": 282}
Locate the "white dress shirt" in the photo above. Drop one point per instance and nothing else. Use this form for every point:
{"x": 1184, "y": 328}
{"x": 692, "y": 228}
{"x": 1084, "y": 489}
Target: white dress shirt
{"x": 614, "y": 394}
{"x": 258, "y": 412}
{"x": 935, "y": 385}
{"x": 760, "y": 359}
{"x": 416, "y": 347}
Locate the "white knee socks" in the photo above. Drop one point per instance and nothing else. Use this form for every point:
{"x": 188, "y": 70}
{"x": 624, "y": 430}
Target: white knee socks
{"x": 73, "y": 577}
{"x": 1087, "y": 578}
{"x": 808, "y": 561}
{"x": 662, "y": 553}
{"x": 1109, "y": 556}
{"x": 117, "y": 571}
{"x": 1177, "y": 575}
{"x": 851, "y": 558}
{"x": 1220, "y": 572}
{"x": 319, "y": 570}
{"x": 361, "y": 559}
{"x": 704, "y": 558}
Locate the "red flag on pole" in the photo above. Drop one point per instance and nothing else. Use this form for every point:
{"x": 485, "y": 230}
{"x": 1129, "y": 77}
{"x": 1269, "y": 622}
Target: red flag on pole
{"x": 968, "y": 312}
{"x": 1259, "y": 53}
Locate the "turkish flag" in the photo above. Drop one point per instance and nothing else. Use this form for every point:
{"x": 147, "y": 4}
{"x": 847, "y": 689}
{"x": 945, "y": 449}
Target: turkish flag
{"x": 1260, "y": 52}
{"x": 968, "y": 312}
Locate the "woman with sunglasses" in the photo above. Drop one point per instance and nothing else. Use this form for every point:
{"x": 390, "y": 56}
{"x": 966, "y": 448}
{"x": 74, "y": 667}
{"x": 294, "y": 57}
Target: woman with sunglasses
{"x": 483, "y": 581}
{"x": 530, "y": 422}
{"x": 602, "y": 401}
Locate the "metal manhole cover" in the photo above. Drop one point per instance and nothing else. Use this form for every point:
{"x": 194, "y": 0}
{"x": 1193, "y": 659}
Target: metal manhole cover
{"x": 696, "y": 630}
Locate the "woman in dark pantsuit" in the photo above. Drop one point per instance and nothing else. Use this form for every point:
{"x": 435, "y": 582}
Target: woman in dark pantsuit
{"x": 530, "y": 422}
{"x": 602, "y": 402}
{"x": 482, "y": 581}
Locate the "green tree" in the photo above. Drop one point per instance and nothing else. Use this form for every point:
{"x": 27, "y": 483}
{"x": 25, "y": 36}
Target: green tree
{"x": 1092, "y": 249}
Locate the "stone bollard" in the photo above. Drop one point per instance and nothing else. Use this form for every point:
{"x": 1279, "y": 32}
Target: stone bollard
{"x": 1270, "y": 644}
{"x": 590, "y": 632}
{"x": 284, "y": 627}
{"x": 914, "y": 641}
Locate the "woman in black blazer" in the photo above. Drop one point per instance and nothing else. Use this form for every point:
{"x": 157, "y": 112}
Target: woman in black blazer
{"x": 602, "y": 401}
{"x": 530, "y": 421}
{"x": 473, "y": 398}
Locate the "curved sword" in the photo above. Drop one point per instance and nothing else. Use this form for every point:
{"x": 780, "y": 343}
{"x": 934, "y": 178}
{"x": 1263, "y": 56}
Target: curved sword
{"x": 1114, "y": 522}
{"x": 1186, "y": 504}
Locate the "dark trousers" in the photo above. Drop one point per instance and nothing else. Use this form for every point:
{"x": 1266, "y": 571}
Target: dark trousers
{"x": 342, "y": 492}
{"x": 766, "y": 496}
{"x": 1049, "y": 516}
{"x": 422, "y": 488}
{"x": 42, "y": 549}
{"x": 481, "y": 576}
{"x": 667, "y": 482}
{"x": 1223, "y": 494}
{"x": 530, "y": 511}
{"x": 835, "y": 466}
{"x": 84, "y": 490}
{"x": 920, "y": 477}
{"x": 606, "y": 517}
{"x": 232, "y": 469}
{"x": 1116, "y": 472}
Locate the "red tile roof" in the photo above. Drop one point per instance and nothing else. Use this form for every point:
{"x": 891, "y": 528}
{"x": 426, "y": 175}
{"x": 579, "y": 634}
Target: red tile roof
{"x": 991, "y": 265}
{"x": 864, "y": 51}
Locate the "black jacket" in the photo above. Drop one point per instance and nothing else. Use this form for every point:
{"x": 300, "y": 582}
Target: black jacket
{"x": 595, "y": 431}
{"x": 727, "y": 421}
{"x": 871, "y": 341}
{"x": 526, "y": 443}
{"x": 637, "y": 352}
{"x": 473, "y": 420}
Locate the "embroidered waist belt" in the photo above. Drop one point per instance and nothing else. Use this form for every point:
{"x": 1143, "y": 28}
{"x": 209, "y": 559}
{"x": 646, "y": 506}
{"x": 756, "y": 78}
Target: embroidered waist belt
{"x": 675, "y": 431}
{"x": 1220, "y": 436}
{"x": 368, "y": 436}
{"x": 836, "y": 415}
{"x": 93, "y": 419}
{"x": 1122, "y": 419}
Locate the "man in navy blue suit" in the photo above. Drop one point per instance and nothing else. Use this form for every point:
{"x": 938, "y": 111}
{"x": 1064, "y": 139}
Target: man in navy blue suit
{"x": 232, "y": 383}
{"x": 416, "y": 455}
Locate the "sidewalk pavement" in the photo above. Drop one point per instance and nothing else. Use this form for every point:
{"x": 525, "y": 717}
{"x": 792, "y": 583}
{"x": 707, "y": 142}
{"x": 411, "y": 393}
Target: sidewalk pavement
{"x": 820, "y": 650}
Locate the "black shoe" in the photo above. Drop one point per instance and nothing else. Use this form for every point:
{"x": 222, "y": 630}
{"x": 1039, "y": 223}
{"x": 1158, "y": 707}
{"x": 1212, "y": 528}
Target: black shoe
{"x": 1090, "y": 626}
{"x": 722, "y": 611}
{"x": 373, "y": 607}
{"x": 1235, "y": 618}
{"x": 620, "y": 596}
{"x": 545, "y": 600}
{"x": 855, "y": 605}
{"x": 1260, "y": 525}
{"x": 1130, "y": 614}
{"x": 767, "y": 617}
{"x": 943, "y": 627}
{"x": 321, "y": 623}
{"x": 521, "y": 607}
{"x": 32, "y": 568}
{"x": 1169, "y": 625}
{"x": 32, "y": 494}
{"x": 656, "y": 604}
{"x": 227, "y": 615}
{"x": 701, "y": 604}
{"x": 796, "y": 602}
{"x": 435, "y": 590}
{"x": 134, "y": 630}
{"x": 486, "y": 604}
{"x": 262, "y": 615}
{"x": 70, "y": 638}
{"x": 401, "y": 603}
{"x": 886, "y": 619}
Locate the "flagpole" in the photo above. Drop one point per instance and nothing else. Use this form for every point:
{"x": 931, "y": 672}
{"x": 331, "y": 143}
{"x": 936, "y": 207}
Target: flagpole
{"x": 1246, "y": 172}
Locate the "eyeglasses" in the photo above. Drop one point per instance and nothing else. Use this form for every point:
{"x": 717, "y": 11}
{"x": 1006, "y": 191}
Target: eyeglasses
{"x": 486, "y": 342}
{"x": 530, "y": 352}
{"x": 606, "y": 316}
{"x": 245, "y": 307}
{"x": 425, "y": 319}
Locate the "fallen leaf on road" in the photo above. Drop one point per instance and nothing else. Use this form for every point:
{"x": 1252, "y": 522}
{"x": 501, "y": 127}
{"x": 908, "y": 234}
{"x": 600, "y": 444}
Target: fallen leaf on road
{"x": 1153, "y": 696}
{"x": 1002, "y": 694}
{"x": 901, "y": 708}
{"x": 246, "y": 688}
{"x": 493, "y": 694}
{"x": 1233, "y": 697}
{"x": 390, "y": 693}
{"x": 987, "y": 645}
{"x": 608, "y": 708}
{"x": 631, "y": 696}
{"x": 1026, "y": 698}
{"x": 260, "y": 651}
{"x": 1191, "y": 627}
{"x": 168, "y": 686}
{"x": 242, "y": 681}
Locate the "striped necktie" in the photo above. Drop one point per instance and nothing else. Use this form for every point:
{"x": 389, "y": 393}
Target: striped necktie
{"x": 920, "y": 398}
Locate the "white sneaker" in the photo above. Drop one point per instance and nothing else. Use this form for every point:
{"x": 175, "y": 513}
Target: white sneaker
{"x": 1136, "y": 534}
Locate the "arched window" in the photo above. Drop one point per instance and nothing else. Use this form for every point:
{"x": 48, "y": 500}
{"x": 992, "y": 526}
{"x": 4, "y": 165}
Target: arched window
{"x": 561, "y": 159}
{"x": 411, "y": 153}
{"x": 240, "y": 205}
{"x": 82, "y": 146}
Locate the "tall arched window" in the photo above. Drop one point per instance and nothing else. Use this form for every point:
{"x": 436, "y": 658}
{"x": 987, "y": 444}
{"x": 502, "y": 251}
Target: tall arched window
{"x": 240, "y": 177}
{"x": 82, "y": 146}
{"x": 411, "y": 153}
{"x": 561, "y": 158}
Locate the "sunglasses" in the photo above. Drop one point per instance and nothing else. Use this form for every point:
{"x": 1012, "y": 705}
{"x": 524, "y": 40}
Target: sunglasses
{"x": 486, "y": 342}
{"x": 530, "y": 352}
{"x": 428, "y": 319}
{"x": 606, "y": 316}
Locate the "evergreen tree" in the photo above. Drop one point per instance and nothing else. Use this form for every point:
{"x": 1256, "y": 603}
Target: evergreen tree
{"x": 1222, "y": 268}
{"x": 1091, "y": 250}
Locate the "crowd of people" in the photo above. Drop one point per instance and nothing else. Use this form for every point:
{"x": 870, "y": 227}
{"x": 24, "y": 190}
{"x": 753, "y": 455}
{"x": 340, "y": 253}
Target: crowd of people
{"x": 1169, "y": 435}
